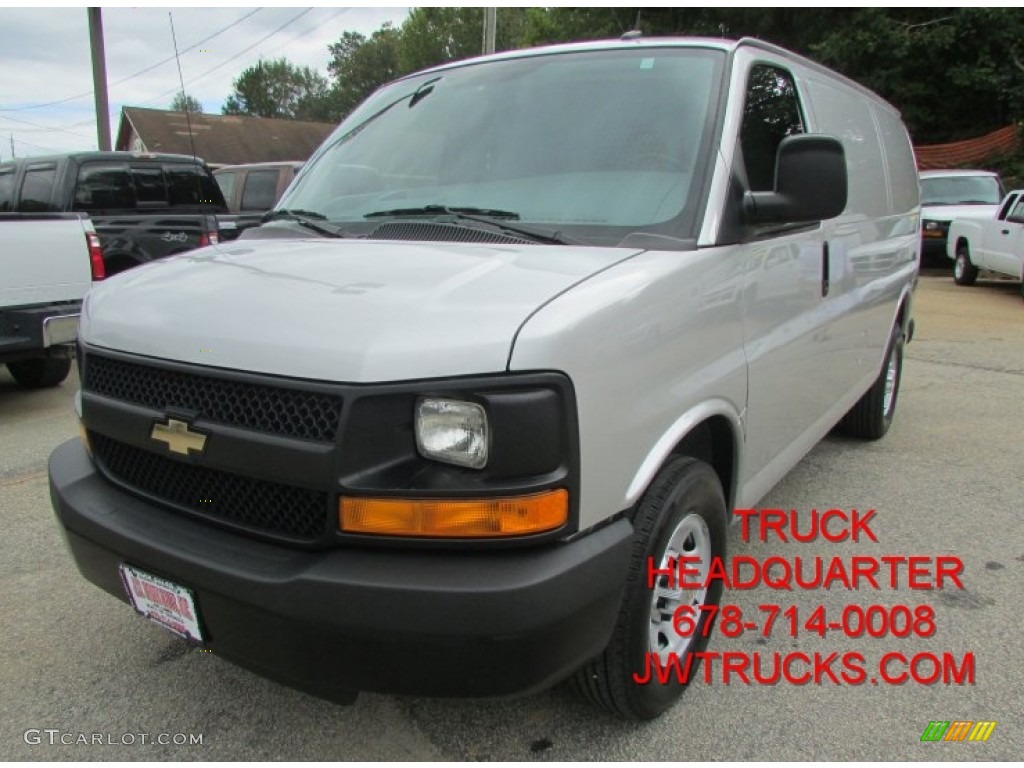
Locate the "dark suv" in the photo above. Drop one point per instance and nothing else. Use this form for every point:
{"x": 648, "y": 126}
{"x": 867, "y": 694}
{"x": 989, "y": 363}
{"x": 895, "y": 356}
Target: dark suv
{"x": 143, "y": 206}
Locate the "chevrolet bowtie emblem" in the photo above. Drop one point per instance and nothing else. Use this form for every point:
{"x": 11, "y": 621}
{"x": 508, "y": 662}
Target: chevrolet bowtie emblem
{"x": 178, "y": 437}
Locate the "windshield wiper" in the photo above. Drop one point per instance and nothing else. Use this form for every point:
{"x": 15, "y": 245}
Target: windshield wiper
{"x": 307, "y": 219}
{"x": 490, "y": 216}
{"x": 435, "y": 210}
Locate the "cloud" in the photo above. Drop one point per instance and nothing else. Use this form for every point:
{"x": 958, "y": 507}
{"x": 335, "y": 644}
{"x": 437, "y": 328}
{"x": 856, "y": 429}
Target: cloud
{"x": 47, "y": 52}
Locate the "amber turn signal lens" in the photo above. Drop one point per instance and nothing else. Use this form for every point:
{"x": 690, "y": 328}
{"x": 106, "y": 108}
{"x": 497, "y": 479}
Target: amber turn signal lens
{"x": 84, "y": 435}
{"x": 455, "y": 518}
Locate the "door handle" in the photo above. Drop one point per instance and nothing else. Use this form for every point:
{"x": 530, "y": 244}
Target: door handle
{"x": 824, "y": 269}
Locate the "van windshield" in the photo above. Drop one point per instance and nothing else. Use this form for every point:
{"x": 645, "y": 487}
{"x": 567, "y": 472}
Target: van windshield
{"x": 595, "y": 145}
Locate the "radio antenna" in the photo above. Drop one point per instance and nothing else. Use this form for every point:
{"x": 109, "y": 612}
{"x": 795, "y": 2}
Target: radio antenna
{"x": 184, "y": 104}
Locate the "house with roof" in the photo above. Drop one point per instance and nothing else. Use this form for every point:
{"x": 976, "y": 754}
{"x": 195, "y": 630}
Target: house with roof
{"x": 219, "y": 139}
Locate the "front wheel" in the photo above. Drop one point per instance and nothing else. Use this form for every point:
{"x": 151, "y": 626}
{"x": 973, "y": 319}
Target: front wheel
{"x": 40, "y": 372}
{"x": 661, "y": 625}
{"x": 964, "y": 272}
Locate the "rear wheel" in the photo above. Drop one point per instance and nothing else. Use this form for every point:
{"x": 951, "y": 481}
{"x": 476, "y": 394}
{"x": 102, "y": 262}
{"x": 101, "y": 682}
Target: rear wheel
{"x": 683, "y": 514}
{"x": 871, "y": 417}
{"x": 964, "y": 272}
{"x": 40, "y": 372}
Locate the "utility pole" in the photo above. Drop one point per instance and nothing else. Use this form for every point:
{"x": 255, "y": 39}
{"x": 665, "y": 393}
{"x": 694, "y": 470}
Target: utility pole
{"x": 12, "y": 147}
{"x": 490, "y": 29}
{"x": 99, "y": 79}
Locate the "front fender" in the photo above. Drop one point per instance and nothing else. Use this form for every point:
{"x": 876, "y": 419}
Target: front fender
{"x": 677, "y": 432}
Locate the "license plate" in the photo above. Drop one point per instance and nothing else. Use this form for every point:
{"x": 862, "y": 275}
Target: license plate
{"x": 168, "y": 604}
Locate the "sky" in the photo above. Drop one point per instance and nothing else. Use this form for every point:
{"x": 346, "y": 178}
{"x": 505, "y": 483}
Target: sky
{"x": 45, "y": 58}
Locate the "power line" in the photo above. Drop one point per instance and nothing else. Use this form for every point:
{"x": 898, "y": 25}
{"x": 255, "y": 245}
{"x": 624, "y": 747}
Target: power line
{"x": 141, "y": 71}
{"x": 46, "y": 127}
{"x": 194, "y": 80}
{"x": 36, "y": 146}
{"x": 316, "y": 24}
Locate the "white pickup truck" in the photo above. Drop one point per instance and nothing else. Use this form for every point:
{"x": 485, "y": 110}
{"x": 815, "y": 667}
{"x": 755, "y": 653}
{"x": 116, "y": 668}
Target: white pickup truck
{"x": 994, "y": 243}
{"x": 49, "y": 261}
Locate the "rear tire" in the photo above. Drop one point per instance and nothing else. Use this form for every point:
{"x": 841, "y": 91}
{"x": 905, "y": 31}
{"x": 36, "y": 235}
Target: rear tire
{"x": 871, "y": 417}
{"x": 964, "y": 272}
{"x": 40, "y": 372}
{"x": 682, "y": 513}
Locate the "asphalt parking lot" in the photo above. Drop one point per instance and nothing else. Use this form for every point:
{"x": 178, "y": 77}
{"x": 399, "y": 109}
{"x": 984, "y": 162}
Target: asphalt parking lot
{"x": 947, "y": 480}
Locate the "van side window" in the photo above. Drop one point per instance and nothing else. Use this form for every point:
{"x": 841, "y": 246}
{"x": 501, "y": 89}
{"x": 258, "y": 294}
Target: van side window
{"x": 104, "y": 186}
{"x": 772, "y": 113}
{"x": 259, "y": 191}
{"x": 6, "y": 189}
{"x": 37, "y": 190}
{"x": 226, "y": 182}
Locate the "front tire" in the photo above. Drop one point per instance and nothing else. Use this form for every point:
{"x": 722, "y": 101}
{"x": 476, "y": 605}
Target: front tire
{"x": 871, "y": 417}
{"x": 40, "y": 372}
{"x": 683, "y": 513}
{"x": 964, "y": 272}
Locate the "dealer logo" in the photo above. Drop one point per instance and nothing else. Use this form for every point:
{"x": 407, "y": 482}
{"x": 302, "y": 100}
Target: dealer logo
{"x": 178, "y": 437}
{"x": 958, "y": 730}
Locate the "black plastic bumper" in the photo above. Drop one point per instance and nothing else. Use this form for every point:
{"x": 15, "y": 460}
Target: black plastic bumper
{"x": 23, "y": 331}
{"x": 934, "y": 249}
{"x": 434, "y": 623}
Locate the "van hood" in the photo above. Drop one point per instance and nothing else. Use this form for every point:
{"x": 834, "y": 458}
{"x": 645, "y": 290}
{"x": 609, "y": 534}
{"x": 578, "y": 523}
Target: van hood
{"x": 337, "y": 310}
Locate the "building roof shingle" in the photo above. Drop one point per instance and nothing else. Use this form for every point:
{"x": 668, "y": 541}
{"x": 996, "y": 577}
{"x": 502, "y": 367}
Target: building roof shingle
{"x": 222, "y": 139}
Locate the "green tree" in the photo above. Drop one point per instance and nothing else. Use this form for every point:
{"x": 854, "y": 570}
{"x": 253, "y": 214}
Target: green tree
{"x": 359, "y": 65}
{"x": 561, "y": 25}
{"x": 185, "y": 103}
{"x": 278, "y": 88}
{"x": 950, "y": 71}
{"x": 431, "y": 36}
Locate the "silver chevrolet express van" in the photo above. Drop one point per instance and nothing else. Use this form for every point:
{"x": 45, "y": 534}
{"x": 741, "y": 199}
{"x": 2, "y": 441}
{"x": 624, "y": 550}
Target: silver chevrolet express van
{"x": 525, "y": 329}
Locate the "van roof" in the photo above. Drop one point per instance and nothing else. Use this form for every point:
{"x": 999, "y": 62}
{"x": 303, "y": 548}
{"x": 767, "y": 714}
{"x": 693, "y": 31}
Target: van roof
{"x": 716, "y": 43}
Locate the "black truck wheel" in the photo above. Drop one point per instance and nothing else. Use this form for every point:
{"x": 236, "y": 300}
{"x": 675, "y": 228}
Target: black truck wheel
{"x": 683, "y": 514}
{"x": 40, "y": 372}
{"x": 871, "y": 417}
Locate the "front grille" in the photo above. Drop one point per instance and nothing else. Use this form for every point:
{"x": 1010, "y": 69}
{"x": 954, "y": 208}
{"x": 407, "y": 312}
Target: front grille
{"x": 273, "y": 508}
{"x": 262, "y": 407}
{"x": 432, "y": 232}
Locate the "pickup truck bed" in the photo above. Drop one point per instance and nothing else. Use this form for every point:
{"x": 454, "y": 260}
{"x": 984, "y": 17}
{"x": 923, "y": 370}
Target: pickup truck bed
{"x": 49, "y": 262}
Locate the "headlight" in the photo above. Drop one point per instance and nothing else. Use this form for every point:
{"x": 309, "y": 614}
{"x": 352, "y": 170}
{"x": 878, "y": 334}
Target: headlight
{"x": 452, "y": 431}
{"x": 931, "y": 225}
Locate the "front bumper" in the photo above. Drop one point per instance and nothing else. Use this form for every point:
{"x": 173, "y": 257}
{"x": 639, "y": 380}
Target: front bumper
{"x": 40, "y": 330}
{"x": 434, "y": 623}
{"x": 933, "y": 247}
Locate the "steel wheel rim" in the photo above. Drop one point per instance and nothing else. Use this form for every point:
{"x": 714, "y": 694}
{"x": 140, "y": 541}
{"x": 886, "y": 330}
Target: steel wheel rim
{"x": 890, "y": 382}
{"x": 958, "y": 267}
{"x": 691, "y": 538}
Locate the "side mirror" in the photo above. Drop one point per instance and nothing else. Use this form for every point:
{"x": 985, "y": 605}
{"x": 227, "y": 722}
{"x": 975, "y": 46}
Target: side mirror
{"x": 810, "y": 183}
